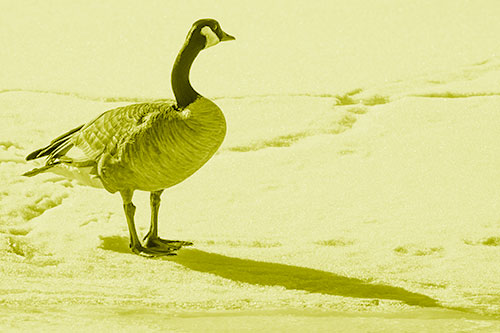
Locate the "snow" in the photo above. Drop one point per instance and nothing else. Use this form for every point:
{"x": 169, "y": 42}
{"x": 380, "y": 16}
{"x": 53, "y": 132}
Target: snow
{"x": 368, "y": 207}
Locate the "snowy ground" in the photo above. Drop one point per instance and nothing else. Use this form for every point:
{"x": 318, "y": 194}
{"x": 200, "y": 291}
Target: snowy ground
{"x": 354, "y": 192}
{"x": 377, "y": 209}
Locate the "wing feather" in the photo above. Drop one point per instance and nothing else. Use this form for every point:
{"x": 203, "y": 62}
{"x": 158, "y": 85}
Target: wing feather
{"x": 57, "y": 147}
{"x": 116, "y": 127}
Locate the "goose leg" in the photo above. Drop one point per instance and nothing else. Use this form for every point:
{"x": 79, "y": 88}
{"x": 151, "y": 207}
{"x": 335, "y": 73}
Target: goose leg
{"x": 154, "y": 200}
{"x": 152, "y": 241}
{"x": 135, "y": 244}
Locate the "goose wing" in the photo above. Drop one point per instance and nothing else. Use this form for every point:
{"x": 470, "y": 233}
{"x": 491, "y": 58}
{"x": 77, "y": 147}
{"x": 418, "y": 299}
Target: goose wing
{"x": 116, "y": 127}
{"x": 86, "y": 143}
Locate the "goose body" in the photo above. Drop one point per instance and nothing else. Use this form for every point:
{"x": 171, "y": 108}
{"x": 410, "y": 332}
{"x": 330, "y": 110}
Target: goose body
{"x": 147, "y": 146}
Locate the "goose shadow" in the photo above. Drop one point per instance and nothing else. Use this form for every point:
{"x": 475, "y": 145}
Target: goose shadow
{"x": 294, "y": 277}
{"x": 287, "y": 276}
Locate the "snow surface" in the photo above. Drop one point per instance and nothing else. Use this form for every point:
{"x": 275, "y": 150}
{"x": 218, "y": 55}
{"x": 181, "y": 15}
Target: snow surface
{"x": 358, "y": 188}
{"x": 368, "y": 209}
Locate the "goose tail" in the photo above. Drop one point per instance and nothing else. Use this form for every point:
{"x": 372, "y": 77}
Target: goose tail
{"x": 58, "y": 147}
{"x": 54, "y": 151}
{"x": 36, "y": 171}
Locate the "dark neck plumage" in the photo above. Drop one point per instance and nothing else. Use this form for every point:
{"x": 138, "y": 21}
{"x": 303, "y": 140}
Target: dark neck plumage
{"x": 184, "y": 93}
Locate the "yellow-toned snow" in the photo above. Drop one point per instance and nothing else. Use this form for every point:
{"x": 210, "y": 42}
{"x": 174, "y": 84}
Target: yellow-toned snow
{"x": 358, "y": 186}
{"x": 357, "y": 208}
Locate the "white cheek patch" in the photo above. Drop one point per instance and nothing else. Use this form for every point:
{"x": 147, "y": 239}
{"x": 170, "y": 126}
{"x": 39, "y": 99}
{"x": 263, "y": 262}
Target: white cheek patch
{"x": 211, "y": 37}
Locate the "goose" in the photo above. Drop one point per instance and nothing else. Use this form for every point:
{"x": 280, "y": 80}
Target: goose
{"x": 147, "y": 146}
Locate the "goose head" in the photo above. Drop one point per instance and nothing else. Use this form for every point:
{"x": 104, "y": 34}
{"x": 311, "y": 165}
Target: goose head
{"x": 203, "y": 34}
{"x": 206, "y": 33}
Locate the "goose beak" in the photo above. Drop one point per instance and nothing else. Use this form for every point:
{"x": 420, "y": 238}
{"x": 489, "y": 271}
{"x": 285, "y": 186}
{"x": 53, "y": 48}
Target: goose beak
{"x": 226, "y": 37}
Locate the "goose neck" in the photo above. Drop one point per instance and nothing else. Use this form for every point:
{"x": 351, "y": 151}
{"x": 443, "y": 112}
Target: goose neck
{"x": 181, "y": 86}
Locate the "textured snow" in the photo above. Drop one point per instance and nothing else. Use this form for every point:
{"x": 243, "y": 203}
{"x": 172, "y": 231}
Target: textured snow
{"x": 372, "y": 204}
{"x": 357, "y": 188}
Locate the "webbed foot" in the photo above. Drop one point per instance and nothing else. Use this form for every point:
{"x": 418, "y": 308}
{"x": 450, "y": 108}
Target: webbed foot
{"x": 151, "y": 252}
{"x": 158, "y": 244}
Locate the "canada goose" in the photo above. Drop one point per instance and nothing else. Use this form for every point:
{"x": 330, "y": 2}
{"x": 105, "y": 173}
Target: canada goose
{"x": 147, "y": 146}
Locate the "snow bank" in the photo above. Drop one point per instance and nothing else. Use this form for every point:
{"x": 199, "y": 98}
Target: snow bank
{"x": 377, "y": 201}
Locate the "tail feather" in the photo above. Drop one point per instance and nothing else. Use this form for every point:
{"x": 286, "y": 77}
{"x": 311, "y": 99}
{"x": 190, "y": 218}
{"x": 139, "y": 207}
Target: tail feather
{"x": 45, "y": 151}
{"x": 68, "y": 133}
{"x": 34, "y": 155}
{"x": 58, "y": 147}
{"x": 36, "y": 171}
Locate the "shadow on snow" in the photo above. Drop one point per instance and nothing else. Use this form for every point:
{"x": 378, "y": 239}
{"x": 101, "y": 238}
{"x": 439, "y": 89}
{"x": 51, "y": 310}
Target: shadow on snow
{"x": 287, "y": 276}
{"x": 294, "y": 277}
